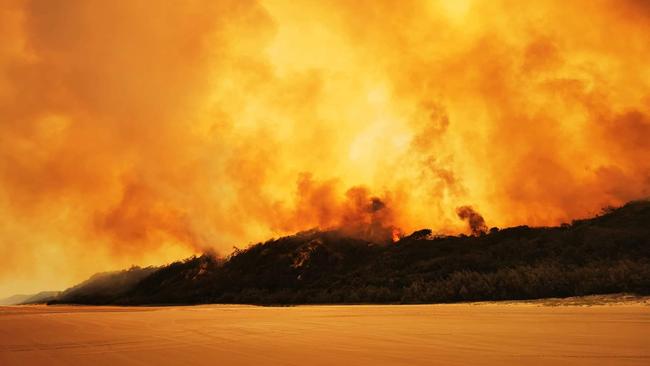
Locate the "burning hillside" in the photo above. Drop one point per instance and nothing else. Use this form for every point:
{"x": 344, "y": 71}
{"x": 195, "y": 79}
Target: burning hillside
{"x": 605, "y": 254}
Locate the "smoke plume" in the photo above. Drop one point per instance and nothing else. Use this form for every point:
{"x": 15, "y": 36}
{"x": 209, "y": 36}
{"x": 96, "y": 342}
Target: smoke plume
{"x": 474, "y": 220}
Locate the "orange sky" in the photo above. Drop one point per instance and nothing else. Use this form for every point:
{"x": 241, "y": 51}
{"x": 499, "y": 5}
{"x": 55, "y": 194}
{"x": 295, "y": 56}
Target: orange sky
{"x": 139, "y": 132}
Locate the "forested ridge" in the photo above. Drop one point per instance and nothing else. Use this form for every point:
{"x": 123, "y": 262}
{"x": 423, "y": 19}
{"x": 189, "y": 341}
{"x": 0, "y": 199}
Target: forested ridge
{"x": 609, "y": 253}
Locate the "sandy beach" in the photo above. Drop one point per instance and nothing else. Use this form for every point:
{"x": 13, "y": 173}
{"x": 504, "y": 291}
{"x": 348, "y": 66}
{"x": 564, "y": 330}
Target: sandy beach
{"x": 458, "y": 334}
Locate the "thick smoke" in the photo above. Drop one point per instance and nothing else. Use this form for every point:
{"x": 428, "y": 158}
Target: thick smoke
{"x": 355, "y": 212}
{"x": 142, "y": 132}
{"x": 474, "y": 220}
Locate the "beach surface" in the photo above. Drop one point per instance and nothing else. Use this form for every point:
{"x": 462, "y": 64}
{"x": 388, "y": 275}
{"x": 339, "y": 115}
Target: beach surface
{"x": 530, "y": 333}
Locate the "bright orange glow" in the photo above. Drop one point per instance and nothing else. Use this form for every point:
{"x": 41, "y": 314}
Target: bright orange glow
{"x": 142, "y": 132}
{"x": 395, "y": 235}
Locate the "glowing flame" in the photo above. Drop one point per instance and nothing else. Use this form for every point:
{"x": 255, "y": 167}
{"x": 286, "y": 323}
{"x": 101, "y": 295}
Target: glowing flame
{"x": 396, "y": 235}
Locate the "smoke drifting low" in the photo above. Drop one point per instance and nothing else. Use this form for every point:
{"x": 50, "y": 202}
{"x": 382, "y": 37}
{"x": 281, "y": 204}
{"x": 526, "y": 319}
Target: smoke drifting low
{"x": 142, "y": 132}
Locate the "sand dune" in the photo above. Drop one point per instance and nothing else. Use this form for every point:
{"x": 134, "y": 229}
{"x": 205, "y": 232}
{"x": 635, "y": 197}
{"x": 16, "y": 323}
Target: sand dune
{"x": 459, "y": 334}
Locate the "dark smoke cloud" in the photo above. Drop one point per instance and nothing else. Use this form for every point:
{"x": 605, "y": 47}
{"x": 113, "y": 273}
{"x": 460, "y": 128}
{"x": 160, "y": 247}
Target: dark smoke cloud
{"x": 474, "y": 220}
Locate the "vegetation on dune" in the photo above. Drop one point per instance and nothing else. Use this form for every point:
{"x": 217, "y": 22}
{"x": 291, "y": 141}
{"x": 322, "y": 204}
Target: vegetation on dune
{"x": 606, "y": 254}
